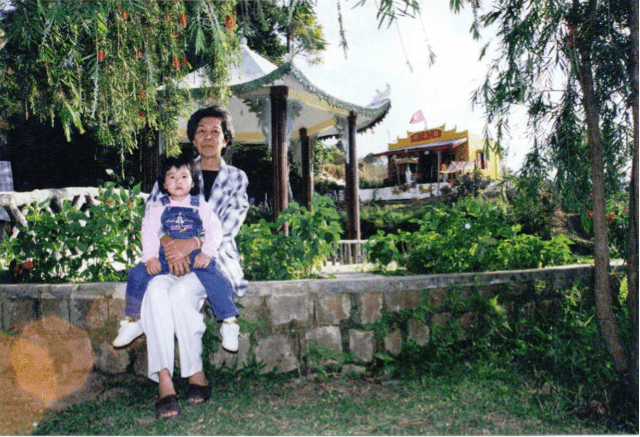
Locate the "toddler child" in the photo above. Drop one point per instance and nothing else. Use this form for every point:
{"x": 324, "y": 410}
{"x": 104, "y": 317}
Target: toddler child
{"x": 182, "y": 214}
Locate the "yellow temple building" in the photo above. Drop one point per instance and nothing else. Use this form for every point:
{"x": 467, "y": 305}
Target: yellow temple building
{"x": 437, "y": 155}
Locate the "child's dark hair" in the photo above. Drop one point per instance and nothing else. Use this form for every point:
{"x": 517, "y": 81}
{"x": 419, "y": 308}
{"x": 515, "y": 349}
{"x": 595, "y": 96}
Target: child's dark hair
{"x": 178, "y": 162}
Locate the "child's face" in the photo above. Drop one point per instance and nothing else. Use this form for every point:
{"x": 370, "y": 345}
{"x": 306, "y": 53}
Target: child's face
{"x": 178, "y": 182}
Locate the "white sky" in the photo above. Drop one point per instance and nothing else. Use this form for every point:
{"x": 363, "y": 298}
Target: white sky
{"x": 376, "y": 58}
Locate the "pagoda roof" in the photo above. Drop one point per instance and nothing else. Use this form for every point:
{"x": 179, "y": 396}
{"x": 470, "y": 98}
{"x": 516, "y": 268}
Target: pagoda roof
{"x": 314, "y": 109}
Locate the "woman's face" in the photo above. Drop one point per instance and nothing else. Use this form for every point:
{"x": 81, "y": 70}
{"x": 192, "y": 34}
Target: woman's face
{"x": 209, "y": 137}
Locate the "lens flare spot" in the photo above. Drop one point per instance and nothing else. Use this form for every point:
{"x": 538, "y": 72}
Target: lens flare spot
{"x": 50, "y": 360}
{"x": 34, "y": 371}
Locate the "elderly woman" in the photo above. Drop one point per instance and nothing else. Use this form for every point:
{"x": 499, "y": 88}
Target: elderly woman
{"x": 171, "y": 306}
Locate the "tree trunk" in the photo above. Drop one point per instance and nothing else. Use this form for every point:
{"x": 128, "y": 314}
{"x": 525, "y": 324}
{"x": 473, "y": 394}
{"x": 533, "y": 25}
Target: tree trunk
{"x": 601, "y": 245}
{"x": 632, "y": 257}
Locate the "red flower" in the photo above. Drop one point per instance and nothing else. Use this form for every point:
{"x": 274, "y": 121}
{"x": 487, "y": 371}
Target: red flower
{"x": 230, "y": 22}
{"x": 25, "y": 267}
{"x": 101, "y": 55}
{"x": 176, "y": 62}
{"x": 183, "y": 19}
{"x": 143, "y": 95}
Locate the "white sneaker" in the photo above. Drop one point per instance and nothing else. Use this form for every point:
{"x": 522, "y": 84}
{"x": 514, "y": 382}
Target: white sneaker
{"x": 129, "y": 331}
{"x": 230, "y": 332}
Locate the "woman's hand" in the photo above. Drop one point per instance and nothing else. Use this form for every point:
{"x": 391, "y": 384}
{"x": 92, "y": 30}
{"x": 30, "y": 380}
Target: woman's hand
{"x": 179, "y": 267}
{"x": 175, "y": 250}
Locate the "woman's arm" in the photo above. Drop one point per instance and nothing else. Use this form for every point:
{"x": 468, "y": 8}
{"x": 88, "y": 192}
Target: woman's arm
{"x": 212, "y": 230}
{"x": 233, "y": 212}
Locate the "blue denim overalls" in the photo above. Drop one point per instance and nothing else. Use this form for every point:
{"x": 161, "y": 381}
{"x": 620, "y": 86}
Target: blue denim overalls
{"x": 183, "y": 223}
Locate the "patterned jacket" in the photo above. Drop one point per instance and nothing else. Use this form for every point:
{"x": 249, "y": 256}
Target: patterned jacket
{"x": 229, "y": 201}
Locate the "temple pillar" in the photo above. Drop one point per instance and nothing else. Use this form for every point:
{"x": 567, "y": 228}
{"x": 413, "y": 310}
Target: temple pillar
{"x": 279, "y": 96}
{"x": 352, "y": 182}
{"x": 307, "y": 168}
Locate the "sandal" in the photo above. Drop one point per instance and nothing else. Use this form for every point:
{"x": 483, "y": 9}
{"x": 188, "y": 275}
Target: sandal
{"x": 168, "y": 407}
{"x": 197, "y": 394}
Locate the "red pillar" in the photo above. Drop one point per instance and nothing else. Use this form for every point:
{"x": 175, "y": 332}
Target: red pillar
{"x": 279, "y": 148}
{"x": 307, "y": 168}
{"x": 352, "y": 181}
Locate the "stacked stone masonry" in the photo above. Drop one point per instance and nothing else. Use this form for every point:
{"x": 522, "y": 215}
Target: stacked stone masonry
{"x": 288, "y": 324}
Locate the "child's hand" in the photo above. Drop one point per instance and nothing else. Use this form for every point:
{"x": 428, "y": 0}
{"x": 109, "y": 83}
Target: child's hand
{"x": 153, "y": 266}
{"x": 202, "y": 260}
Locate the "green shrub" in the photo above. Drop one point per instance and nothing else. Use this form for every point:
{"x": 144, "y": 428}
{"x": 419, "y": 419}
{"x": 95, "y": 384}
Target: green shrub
{"x": 472, "y": 235}
{"x": 533, "y": 205}
{"x": 390, "y": 218}
{"x": 470, "y": 184}
{"x": 96, "y": 245}
{"x": 270, "y": 255}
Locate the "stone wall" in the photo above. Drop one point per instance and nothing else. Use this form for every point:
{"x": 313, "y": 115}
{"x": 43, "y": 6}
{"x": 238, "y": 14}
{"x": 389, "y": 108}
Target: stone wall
{"x": 289, "y": 325}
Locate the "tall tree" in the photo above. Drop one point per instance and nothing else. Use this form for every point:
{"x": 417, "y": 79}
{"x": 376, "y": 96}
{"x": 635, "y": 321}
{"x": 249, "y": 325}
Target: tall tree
{"x": 632, "y": 260}
{"x": 588, "y": 52}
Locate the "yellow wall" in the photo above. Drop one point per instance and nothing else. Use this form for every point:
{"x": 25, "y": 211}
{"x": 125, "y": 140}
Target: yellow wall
{"x": 494, "y": 163}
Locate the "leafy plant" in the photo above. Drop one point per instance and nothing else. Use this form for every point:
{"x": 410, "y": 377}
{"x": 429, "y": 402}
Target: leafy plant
{"x": 470, "y": 185}
{"x": 617, "y": 214}
{"x": 472, "y": 235}
{"x": 269, "y": 254}
{"x": 533, "y": 205}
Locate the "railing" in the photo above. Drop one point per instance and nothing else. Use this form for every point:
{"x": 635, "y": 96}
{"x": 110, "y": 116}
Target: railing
{"x": 349, "y": 252}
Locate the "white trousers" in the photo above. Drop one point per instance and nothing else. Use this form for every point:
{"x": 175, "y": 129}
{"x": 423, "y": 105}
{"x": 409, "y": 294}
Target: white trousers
{"x": 171, "y": 309}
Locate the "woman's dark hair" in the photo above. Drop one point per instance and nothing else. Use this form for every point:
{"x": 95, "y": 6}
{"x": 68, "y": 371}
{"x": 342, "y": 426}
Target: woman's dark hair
{"x": 215, "y": 111}
{"x": 178, "y": 162}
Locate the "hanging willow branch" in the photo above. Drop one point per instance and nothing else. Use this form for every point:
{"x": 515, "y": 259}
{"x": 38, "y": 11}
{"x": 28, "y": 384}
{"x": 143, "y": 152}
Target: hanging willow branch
{"x": 113, "y": 66}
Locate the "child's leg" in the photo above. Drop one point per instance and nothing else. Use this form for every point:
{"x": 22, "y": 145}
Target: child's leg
{"x": 220, "y": 294}
{"x": 131, "y": 328}
{"x": 219, "y": 291}
{"x": 136, "y": 287}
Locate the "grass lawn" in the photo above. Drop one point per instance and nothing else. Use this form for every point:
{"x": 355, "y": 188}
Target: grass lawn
{"x": 494, "y": 401}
